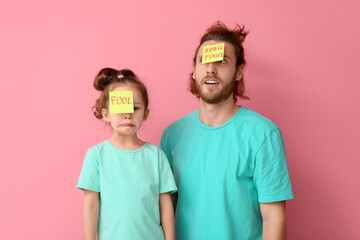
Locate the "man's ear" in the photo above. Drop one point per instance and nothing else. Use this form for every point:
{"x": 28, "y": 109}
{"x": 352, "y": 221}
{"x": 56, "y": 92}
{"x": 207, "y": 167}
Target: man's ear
{"x": 146, "y": 114}
{"x": 239, "y": 72}
{"x": 106, "y": 115}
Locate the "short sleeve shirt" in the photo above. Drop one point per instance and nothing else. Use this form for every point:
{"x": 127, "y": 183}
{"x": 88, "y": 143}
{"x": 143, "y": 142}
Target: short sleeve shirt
{"x": 129, "y": 184}
{"x": 223, "y": 173}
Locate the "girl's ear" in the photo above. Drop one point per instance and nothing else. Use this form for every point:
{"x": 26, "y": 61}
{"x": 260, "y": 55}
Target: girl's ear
{"x": 105, "y": 114}
{"x": 146, "y": 114}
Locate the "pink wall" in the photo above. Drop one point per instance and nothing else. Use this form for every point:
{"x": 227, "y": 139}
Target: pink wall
{"x": 303, "y": 73}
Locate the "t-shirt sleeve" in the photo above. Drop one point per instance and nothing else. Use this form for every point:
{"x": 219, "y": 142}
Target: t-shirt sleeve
{"x": 89, "y": 177}
{"x": 271, "y": 177}
{"x": 164, "y": 145}
{"x": 167, "y": 181}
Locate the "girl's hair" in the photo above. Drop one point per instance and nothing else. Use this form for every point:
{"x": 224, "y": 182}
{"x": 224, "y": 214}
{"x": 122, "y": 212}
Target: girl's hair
{"x": 107, "y": 79}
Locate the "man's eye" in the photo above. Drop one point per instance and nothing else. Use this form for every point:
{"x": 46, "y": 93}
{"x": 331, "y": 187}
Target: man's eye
{"x": 223, "y": 61}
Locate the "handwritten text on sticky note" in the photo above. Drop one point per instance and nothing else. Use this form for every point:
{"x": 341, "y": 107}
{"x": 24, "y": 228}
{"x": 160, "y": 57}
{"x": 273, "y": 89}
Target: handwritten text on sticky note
{"x": 121, "y": 102}
{"x": 213, "y": 53}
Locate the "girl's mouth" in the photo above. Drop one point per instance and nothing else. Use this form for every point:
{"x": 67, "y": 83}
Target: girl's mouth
{"x": 127, "y": 125}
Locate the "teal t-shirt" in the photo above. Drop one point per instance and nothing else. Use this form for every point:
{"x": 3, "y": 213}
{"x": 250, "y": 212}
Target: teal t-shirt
{"x": 223, "y": 173}
{"x": 129, "y": 183}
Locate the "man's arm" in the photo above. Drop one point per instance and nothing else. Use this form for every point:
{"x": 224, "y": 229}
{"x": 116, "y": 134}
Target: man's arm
{"x": 274, "y": 220}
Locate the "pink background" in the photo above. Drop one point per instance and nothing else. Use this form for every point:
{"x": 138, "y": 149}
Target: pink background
{"x": 303, "y": 73}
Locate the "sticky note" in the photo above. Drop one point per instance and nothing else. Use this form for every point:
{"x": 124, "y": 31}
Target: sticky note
{"x": 121, "y": 102}
{"x": 213, "y": 53}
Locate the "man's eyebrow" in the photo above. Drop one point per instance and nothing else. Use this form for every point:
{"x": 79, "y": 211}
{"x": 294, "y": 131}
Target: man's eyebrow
{"x": 227, "y": 57}
{"x": 138, "y": 103}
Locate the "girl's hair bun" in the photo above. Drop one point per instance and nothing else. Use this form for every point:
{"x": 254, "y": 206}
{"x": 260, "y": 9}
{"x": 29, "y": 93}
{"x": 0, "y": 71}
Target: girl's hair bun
{"x": 109, "y": 75}
{"x": 126, "y": 73}
{"x": 104, "y": 78}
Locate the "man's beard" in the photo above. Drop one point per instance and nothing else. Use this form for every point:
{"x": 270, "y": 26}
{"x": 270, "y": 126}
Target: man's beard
{"x": 213, "y": 98}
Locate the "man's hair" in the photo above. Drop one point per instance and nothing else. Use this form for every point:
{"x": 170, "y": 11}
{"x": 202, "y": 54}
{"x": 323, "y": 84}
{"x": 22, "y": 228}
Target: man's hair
{"x": 219, "y": 32}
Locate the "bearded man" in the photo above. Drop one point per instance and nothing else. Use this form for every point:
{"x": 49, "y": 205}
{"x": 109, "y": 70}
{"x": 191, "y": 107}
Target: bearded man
{"x": 229, "y": 162}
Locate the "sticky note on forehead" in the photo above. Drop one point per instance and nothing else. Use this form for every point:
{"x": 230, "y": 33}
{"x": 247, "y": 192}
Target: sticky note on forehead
{"x": 121, "y": 102}
{"x": 213, "y": 53}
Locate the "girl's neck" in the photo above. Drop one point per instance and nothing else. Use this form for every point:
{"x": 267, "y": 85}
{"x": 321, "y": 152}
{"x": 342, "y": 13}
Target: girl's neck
{"x": 127, "y": 142}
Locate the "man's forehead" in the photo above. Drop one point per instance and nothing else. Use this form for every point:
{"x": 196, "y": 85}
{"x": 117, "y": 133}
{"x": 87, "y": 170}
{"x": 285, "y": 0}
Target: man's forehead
{"x": 212, "y": 42}
{"x": 228, "y": 48}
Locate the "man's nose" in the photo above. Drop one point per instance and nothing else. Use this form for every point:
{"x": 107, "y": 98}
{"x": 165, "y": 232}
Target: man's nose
{"x": 211, "y": 68}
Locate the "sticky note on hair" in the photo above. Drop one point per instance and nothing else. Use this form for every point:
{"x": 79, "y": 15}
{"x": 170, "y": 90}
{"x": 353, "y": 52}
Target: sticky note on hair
{"x": 121, "y": 102}
{"x": 213, "y": 53}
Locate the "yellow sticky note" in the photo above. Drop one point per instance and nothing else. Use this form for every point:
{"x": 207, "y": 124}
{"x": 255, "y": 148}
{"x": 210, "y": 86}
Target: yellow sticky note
{"x": 121, "y": 102}
{"x": 213, "y": 53}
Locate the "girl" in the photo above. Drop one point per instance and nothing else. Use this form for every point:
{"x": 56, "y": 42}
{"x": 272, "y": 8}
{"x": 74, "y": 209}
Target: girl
{"x": 127, "y": 181}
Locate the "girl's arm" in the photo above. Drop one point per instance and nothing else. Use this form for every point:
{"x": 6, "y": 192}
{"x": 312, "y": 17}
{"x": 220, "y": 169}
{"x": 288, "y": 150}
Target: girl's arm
{"x": 91, "y": 214}
{"x": 167, "y": 216}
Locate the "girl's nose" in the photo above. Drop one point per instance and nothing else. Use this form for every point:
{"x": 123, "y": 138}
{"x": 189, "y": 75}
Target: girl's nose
{"x": 128, "y": 116}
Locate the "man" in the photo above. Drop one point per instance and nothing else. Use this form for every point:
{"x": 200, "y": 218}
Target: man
{"x": 229, "y": 162}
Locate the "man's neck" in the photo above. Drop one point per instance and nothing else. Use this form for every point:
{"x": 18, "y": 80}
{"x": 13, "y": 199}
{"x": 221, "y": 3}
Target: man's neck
{"x": 215, "y": 115}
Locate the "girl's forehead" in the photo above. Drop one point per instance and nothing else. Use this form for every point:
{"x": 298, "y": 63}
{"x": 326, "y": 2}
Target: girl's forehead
{"x": 129, "y": 87}
{"x": 125, "y": 87}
